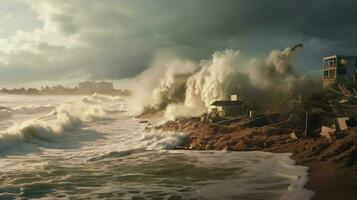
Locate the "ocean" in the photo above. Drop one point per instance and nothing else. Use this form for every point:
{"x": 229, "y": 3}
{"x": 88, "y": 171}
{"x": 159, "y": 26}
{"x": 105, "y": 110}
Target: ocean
{"x": 75, "y": 147}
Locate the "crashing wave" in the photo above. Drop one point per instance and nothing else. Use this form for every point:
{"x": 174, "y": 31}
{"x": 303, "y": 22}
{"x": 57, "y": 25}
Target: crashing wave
{"x": 158, "y": 139}
{"x": 260, "y": 81}
{"x": 64, "y": 118}
{"x": 152, "y": 140}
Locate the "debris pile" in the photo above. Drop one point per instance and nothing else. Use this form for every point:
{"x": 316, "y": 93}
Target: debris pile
{"x": 319, "y": 126}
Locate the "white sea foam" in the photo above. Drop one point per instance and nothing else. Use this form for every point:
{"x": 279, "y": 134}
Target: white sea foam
{"x": 8, "y": 112}
{"x": 118, "y": 148}
{"x": 32, "y": 109}
{"x": 267, "y": 174}
{"x": 99, "y": 98}
{"x": 63, "y": 119}
{"x": 158, "y": 139}
{"x": 82, "y": 111}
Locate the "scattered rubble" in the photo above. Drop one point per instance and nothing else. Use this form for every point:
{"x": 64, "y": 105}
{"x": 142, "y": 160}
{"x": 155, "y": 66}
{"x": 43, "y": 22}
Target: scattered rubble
{"x": 341, "y": 123}
{"x": 327, "y": 132}
{"x": 293, "y": 136}
{"x": 320, "y": 126}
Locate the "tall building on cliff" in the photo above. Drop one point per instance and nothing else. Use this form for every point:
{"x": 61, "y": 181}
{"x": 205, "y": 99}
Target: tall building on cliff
{"x": 339, "y": 69}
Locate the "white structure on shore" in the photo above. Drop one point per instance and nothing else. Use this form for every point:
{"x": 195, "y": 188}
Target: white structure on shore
{"x": 93, "y": 86}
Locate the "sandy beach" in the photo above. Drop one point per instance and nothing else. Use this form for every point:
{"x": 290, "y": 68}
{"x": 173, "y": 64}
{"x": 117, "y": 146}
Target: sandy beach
{"x": 332, "y": 164}
{"x": 330, "y": 183}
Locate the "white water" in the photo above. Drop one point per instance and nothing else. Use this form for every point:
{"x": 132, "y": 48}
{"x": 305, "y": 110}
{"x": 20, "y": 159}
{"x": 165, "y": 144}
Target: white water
{"x": 65, "y": 147}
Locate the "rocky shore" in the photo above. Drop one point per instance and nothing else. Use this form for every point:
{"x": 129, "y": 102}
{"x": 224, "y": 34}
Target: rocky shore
{"x": 310, "y": 129}
{"x": 332, "y": 162}
{"x": 339, "y": 151}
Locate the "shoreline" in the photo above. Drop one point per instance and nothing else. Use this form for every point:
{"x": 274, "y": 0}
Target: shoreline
{"x": 331, "y": 184}
{"x": 332, "y": 172}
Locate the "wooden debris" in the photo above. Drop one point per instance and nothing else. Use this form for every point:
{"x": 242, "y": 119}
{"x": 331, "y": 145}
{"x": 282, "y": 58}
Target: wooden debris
{"x": 327, "y": 132}
{"x": 341, "y": 123}
{"x": 293, "y": 136}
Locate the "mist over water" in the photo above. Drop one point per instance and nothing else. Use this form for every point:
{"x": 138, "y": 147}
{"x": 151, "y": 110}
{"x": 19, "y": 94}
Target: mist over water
{"x": 73, "y": 147}
{"x": 187, "y": 88}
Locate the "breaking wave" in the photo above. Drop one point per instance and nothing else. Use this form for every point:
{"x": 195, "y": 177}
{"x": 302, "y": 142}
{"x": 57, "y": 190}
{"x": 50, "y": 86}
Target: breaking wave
{"x": 64, "y": 118}
{"x": 99, "y": 98}
{"x": 261, "y": 82}
{"x": 7, "y": 113}
{"x": 152, "y": 140}
{"x": 157, "y": 139}
{"x": 32, "y": 109}
{"x": 138, "y": 156}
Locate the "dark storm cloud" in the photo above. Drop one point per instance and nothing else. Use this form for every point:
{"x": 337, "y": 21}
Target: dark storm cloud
{"x": 119, "y": 38}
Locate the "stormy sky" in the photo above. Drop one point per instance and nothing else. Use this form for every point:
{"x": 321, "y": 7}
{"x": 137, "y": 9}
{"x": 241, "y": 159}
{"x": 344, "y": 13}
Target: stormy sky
{"x": 50, "y": 41}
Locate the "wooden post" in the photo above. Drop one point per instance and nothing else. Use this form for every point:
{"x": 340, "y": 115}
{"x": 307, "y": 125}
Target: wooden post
{"x": 306, "y": 123}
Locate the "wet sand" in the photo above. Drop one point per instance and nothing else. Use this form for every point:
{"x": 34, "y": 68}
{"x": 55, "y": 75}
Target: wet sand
{"x": 332, "y": 164}
{"x": 331, "y": 184}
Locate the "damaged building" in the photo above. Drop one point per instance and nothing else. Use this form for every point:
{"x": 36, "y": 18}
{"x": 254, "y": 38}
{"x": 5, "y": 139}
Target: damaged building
{"x": 339, "y": 69}
{"x": 229, "y": 108}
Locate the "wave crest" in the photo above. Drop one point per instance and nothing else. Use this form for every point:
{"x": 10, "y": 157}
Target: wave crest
{"x": 158, "y": 139}
{"x": 99, "y": 98}
{"x": 32, "y": 109}
{"x": 64, "y": 118}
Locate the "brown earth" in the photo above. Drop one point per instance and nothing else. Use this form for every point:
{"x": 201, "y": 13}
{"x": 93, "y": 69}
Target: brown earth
{"x": 282, "y": 129}
{"x": 332, "y": 163}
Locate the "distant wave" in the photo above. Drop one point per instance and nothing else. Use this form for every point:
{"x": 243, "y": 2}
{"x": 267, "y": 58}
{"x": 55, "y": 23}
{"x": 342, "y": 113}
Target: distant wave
{"x": 64, "y": 118}
{"x": 113, "y": 104}
{"x": 99, "y": 98}
{"x": 32, "y": 109}
{"x": 5, "y": 114}
{"x": 115, "y": 111}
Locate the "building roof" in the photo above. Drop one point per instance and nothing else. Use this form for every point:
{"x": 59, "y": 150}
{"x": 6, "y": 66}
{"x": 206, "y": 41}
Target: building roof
{"x": 335, "y": 56}
{"x": 227, "y": 103}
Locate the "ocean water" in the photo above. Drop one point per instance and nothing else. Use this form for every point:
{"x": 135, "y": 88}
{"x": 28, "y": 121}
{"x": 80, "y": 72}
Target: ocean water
{"x": 73, "y": 147}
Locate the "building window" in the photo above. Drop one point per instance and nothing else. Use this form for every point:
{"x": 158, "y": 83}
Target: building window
{"x": 341, "y": 71}
{"x": 343, "y": 61}
{"x": 330, "y": 62}
{"x": 332, "y": 73}
{"x": 329, "y": 74}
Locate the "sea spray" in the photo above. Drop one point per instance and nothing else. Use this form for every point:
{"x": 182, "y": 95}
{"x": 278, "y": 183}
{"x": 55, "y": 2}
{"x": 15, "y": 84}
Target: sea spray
{"x": 175, "y": 111}
{"x": 261, "y": 82}
{"x": 158, "y": 85}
